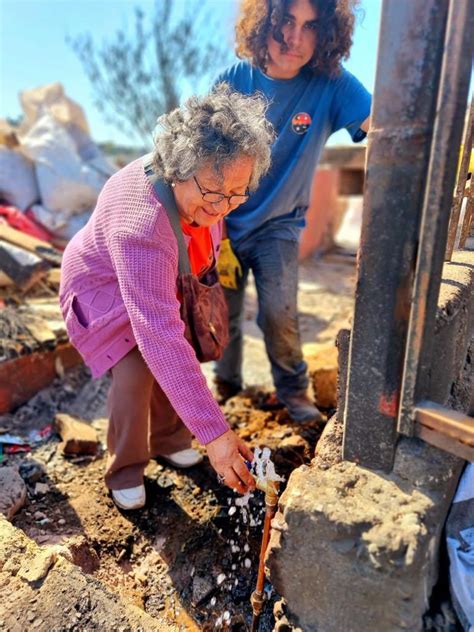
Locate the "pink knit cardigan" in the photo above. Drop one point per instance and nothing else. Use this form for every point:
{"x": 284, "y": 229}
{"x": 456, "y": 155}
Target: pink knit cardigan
{"x": 127, "y": 255}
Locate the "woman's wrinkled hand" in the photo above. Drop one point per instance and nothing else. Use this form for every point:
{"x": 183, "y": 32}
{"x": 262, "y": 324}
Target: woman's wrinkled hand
{"x": 227, "y": 455}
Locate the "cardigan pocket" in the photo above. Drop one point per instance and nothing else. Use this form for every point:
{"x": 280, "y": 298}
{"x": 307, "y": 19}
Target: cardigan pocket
{"x": 74, "y": 318}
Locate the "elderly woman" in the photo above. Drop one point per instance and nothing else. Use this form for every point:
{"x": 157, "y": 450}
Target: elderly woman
{"x": 147, "y": 252}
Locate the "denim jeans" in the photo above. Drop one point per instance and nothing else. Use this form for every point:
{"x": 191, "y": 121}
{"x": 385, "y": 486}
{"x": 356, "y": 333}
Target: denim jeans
{"x": 274, "y": 263}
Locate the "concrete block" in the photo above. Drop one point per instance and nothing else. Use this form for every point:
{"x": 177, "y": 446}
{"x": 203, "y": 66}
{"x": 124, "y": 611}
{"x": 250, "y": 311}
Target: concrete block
{"x": 454, "y": 328}
{"x": 329, "y": 447}
{"x": 365, "y": 542}
{"x": 371, "y": 538}
{"x": 462, "y": 389}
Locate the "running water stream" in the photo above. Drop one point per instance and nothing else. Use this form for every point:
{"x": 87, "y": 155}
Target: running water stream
{"x": 249, "y": 513}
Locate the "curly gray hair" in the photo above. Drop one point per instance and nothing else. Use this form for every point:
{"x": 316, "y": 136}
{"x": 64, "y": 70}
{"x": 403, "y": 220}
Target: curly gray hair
{"x": 217, "y": 128}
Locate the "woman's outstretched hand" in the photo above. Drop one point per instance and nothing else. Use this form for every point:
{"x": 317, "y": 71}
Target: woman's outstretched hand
{"x": 227, "y": 455}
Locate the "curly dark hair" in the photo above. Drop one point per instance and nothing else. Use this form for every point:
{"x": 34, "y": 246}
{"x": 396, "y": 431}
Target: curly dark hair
{"x": 335, "y": 26}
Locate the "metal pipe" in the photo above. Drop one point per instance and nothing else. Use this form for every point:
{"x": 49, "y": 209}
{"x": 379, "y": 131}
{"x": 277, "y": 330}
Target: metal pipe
{"x": 271, "y": 489}
{"x": 439, "y": 185}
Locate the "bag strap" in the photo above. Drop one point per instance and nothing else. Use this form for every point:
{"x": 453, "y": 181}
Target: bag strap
{"x": 165, "y": 195}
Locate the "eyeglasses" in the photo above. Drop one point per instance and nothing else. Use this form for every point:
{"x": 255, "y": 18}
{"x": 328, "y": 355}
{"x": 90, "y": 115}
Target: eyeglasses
{"x": 214, "y": 198}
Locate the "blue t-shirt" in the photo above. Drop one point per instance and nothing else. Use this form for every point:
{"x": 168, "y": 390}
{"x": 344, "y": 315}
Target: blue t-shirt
{"x": 304, "y": 111}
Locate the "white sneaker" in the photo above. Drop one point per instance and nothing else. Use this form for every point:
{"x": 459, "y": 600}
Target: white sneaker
{"x": 130, "y": 498}
{"x": 183, "y": 458}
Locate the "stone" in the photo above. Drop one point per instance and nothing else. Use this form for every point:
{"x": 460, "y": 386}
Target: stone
{"x": 165, "y": 482}
{"x": 37, "y": 568}
{"x": 294, "y": 446}
{"x": 202, "y": 588}
{"x": 283, "y": 625}
{"x": 64, "y": 591}
{"x": 31, "y": 471}
{"x": 296, "y": 442}
{"x": 322, "y": 371}
{"x": 41, "y": 488}
{"x": 279, "y": 609}
{"x": 79, "y": 551}
{"x": 329, "y": 447}
{"x": 12, "y": 492}
{"x": 78, "y": 436}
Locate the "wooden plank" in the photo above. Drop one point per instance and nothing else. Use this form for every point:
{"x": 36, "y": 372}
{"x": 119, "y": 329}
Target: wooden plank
{"x": 22, "y": 266}
{"x": 5, "y": 280}
{"x": 40, "y": 248}
{"x": 344, "y": 157}
{"x": 448, "y": 444}
{"x": 54, "y": 277}
{"x": 447, "y": 422}
{"x": 23, "y": 377}
{"x": 47, "y": 308}
{"x": 40, "y": 330}
{"x": 461, "y": 182}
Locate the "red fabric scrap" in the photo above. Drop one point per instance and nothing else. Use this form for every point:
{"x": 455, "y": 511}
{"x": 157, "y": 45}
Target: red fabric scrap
{"x": 21, "y": 221}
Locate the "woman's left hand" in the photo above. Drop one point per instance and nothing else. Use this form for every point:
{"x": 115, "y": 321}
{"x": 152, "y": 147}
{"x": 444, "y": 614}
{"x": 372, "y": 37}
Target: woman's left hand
{"x": 227, "y": 455}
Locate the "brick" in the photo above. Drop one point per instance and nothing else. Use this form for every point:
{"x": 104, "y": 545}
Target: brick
{"x": 78, "y": 436}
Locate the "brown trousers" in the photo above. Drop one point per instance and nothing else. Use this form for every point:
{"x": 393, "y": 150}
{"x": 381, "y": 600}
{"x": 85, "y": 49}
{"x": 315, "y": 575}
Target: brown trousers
{"x": 142, "y": 423}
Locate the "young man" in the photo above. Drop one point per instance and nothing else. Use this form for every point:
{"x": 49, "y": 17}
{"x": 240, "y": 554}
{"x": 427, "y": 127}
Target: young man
{"x": 292, "y": 52}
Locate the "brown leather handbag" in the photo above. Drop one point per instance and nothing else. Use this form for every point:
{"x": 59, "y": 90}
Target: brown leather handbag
{"x": 203, "y": 304}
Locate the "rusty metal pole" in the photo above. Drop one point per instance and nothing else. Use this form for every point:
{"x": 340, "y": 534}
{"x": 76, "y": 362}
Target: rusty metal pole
{"x": 408, "y": 71}
{"x": 463, "y": 169}
{"x": 451, "y": 110}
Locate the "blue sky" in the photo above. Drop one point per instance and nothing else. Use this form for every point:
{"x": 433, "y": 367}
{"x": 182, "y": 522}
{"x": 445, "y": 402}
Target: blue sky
{"x": 34, "y": 52}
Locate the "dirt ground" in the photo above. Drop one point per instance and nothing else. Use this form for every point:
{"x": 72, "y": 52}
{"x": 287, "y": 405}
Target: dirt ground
{"x": 185, "y": 559}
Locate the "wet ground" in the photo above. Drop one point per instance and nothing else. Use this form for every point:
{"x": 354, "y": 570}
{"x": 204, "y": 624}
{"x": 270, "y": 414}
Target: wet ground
{"x": 188, "y": 558}
{"x": 185, "y": 559}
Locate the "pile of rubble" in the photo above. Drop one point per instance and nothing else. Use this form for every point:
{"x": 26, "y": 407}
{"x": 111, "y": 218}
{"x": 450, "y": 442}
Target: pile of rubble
{"x": 50, "y": 169}
{"x": 51, "y": 173}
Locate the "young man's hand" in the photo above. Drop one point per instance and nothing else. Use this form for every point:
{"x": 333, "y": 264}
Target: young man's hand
{"x": 228, "y": 266}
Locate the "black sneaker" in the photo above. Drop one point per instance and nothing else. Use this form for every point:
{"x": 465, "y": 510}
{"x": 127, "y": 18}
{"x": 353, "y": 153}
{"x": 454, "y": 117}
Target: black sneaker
{"x": 301, "y": 409}
{"x": 225, "y": 390}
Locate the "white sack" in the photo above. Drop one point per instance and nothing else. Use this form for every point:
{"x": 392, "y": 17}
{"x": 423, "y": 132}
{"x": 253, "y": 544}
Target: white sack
{"x": 67, "y": 184}
{"x": 348, "y": 235}
{"x": 90, "y": 153}
{"x": 60, "y": 224}
{"x": 460, "y": 543}
{"x": 18, "y": 184}
{"x": 51, "y": 99}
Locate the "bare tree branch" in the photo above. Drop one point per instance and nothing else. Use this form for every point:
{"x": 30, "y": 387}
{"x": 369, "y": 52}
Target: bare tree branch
{"x": 137, "y": 76}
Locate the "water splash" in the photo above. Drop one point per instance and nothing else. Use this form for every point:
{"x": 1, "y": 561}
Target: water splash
{"x": 248, "y": 513}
